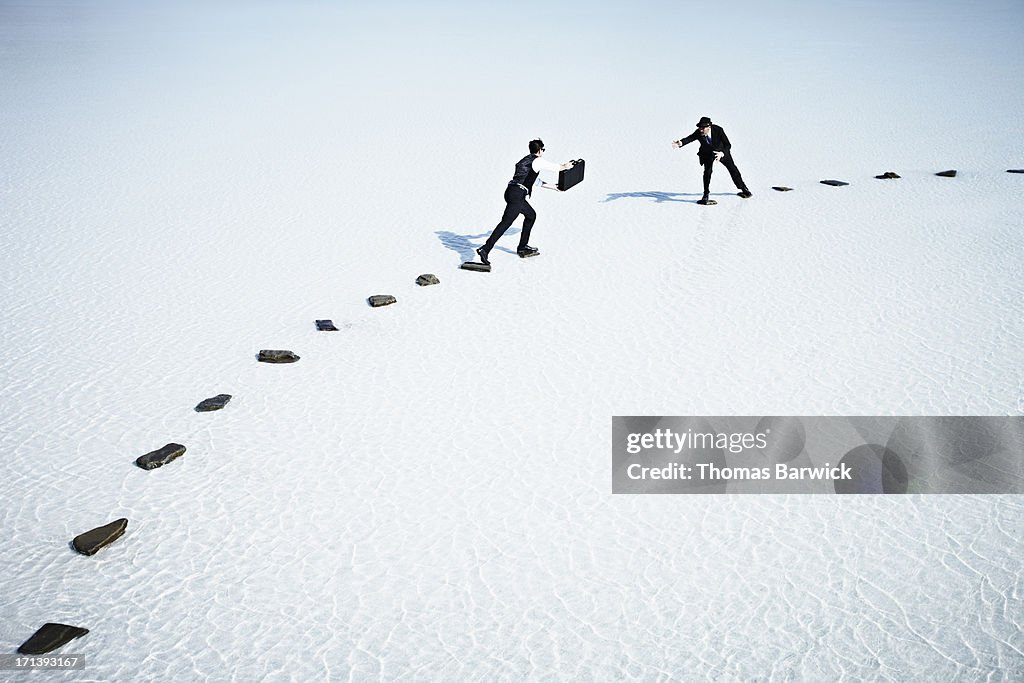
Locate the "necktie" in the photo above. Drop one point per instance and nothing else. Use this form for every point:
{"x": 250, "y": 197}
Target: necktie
{"x": 708, "y": 138}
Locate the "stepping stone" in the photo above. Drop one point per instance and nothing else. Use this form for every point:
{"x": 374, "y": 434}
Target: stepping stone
{"x": 268, "y": 356}
{"x": 888, "y": 175}
{"x": 834, "y": 183}
{"x": 472, "y": 265}
{"x": 50, "y": 637}
{"x": 215, "y": 403}
{"x": 378, "y": 300}
{"x": 947, "y": 174}
{"x": 326, "y": 326}
{"x": 91, "y": 541}
{"x": 159, "y": 458}
{"x": 780, "y": 188}
{"x": 428, "y": 279}
{"x": 1015, "y": 170}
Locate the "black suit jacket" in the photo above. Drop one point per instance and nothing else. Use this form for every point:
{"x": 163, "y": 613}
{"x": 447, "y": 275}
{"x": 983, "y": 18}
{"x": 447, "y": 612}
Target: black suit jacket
{"x": 706, "y": 152}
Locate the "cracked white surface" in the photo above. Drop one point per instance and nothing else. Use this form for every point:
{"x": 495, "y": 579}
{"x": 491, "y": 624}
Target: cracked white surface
{"x": 426, "y": 494}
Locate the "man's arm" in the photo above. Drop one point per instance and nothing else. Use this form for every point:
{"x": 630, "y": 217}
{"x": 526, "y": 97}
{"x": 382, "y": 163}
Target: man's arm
{"x": 726, "y": 145}
{"x": 682, "y": 142}
{"x": 540, "y": 164}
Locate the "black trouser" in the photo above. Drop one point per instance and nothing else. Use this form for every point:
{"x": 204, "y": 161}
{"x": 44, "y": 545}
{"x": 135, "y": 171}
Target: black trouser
{"x": 733, "y": 171}
{"x": 515, "y": 204}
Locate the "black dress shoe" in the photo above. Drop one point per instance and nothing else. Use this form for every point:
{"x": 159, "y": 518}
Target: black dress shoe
{"x": 527, "y": 251}
{"x": 745, "y": 193}
{"x": 482, "y": 253}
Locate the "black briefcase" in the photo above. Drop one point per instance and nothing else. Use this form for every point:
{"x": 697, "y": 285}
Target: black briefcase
{"x": 571, "y": 176}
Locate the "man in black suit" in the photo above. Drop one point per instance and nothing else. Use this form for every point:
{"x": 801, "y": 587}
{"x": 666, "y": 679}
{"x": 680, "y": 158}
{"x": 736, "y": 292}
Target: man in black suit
{"x": 714, "y": 144}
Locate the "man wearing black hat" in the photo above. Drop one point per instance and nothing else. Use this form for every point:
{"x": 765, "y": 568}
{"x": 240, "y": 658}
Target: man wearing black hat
{"x": 713, "y": 145}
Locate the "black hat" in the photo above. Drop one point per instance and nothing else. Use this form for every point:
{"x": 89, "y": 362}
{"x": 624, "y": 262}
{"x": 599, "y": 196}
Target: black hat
{"x": 704, "y": 121}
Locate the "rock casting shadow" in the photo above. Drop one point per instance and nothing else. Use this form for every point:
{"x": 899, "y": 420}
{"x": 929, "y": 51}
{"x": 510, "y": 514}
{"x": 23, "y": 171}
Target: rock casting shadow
{"x": 465, "y": 246}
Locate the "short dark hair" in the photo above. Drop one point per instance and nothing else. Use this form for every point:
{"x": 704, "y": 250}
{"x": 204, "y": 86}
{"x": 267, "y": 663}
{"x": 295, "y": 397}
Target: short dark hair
{"x": 536, "y": 146}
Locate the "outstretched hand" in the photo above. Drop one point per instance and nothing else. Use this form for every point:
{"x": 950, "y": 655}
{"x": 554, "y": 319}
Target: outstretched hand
{"x": 677, "y": 143}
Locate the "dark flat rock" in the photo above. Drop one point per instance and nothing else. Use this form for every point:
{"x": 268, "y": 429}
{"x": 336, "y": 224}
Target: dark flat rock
{"x": 427, "y": 279}
{"x": 378, "y": 300}
{"x": 215, "y": 403}
{"x": 50, "y": 637}
{"x": 888, "y": 175}
{"x": 947, "y": 174}
{"x": 276, "y": 356}
{"x": 834, "y": 183}
{"x": 473, "y": 265}
{"x": 160, "y": 457}
{"x": 1015, "y": 170}
{"x": 781, "y": 188}
{"x": 326, "y": 326}
{"x": 91, "y": 541}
